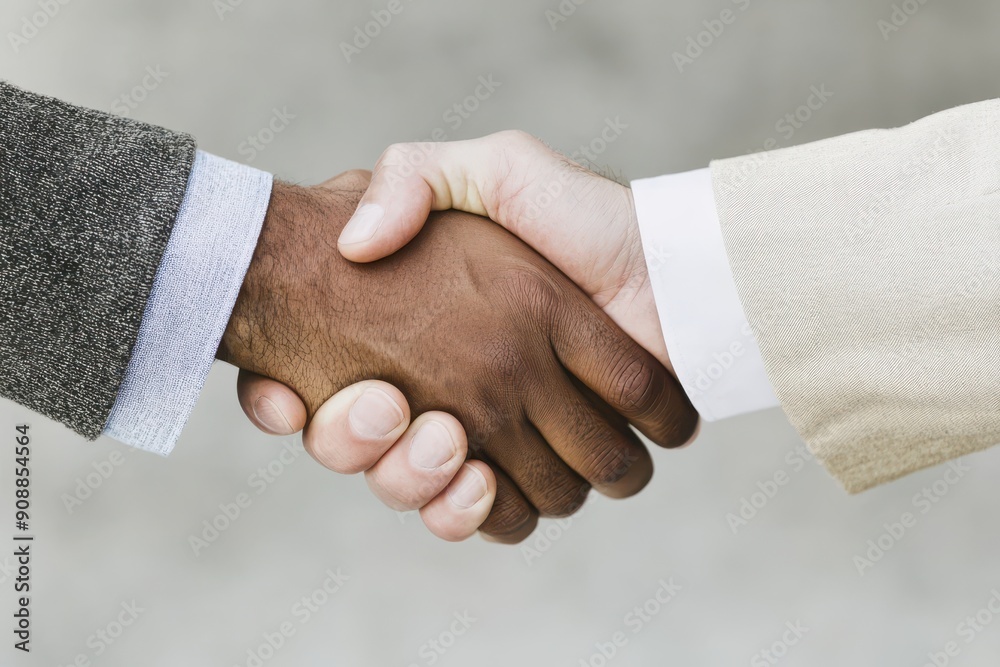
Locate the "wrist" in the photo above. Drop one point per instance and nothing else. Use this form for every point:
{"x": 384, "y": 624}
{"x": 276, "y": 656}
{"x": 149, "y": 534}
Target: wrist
{"x": 298, "y": 318}
{"x": 633, "y": 306}
{"x": 636, "y": 271}
{"x": 271, "y": 280}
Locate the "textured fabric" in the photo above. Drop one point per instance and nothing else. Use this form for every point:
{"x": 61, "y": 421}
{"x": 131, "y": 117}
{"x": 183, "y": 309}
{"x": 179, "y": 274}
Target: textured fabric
{"x": 711, "y": 346}
{"x": 869, "y": 269}
{"x": 87, "y": 202}
{"x": 196, "y": 286}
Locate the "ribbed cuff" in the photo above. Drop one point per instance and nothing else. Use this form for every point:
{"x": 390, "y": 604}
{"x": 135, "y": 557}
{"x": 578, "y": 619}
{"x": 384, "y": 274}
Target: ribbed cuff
{"x": 196, "y": 286}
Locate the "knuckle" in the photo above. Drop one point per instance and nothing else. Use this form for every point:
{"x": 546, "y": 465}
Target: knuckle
{"x": 395, "y": 154}
{"x": 527, "y": 287}
{"x": 406, "y": 157}
{"x": 637, "y": 386}
{"x": 518, "y": 138}
{"x": 505, "y": 364}
{"x": 359, "y": 175}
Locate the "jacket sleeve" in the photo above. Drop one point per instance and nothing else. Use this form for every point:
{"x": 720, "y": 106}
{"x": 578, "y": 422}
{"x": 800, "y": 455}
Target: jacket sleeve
{"x": 87, "y": 204}
{"x": 869, "y": 269}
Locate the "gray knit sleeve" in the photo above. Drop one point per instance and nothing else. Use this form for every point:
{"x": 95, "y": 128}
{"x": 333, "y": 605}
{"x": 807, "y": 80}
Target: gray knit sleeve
{"x": 87, "y": 204}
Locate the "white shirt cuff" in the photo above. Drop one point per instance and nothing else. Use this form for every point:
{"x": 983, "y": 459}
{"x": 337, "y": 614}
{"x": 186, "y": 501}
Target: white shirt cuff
{"x": 193, "y": 295}
{"x": 711, "y": 346}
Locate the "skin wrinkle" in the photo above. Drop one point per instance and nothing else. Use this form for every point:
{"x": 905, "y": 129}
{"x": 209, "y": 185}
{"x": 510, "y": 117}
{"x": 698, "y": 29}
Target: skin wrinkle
{"x": 603, "y": 466}
{"x": 465, "y": 319}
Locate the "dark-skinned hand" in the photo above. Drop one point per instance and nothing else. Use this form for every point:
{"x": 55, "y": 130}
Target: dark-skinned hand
{"x": 469, "y": 320}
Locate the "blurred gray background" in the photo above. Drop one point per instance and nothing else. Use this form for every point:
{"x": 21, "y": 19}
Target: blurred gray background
{"x": 225, "y": 69}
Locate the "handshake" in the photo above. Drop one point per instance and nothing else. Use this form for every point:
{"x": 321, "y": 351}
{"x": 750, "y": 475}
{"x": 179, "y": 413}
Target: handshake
{"x": 527, "y": 347}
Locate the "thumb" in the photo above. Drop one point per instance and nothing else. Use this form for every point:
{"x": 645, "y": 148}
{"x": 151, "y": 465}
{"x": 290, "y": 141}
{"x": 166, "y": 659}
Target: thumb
{"x": 270, "y": 405}
{"x": 391, "y": 212}
{"x": 411, "y": 180}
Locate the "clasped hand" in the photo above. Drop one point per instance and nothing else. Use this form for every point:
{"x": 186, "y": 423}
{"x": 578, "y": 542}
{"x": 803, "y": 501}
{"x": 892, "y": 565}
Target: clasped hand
{"x": 506, "y": 360}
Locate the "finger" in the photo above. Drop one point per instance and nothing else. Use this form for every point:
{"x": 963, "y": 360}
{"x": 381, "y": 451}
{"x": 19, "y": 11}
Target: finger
{"x": 622, "y": 373}
{"x": 605, "y": 453}
{"x": 271, "y": 406}
{"x": 391, "y": 212}
{"x": 354, "y": 428}
{"x": 420, "y": 464}
{"x": 411, "y": 180}
{"x": 456, "y": 513}
{"x": 544, "y": 479}
{"x": 512, "y": 518}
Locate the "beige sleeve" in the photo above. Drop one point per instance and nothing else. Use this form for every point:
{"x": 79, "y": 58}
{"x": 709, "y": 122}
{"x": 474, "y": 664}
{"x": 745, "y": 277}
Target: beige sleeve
{"x": 869, "y": 269}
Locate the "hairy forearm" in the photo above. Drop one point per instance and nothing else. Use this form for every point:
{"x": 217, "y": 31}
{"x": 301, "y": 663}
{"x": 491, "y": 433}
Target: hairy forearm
{"x": 248, "y": 341}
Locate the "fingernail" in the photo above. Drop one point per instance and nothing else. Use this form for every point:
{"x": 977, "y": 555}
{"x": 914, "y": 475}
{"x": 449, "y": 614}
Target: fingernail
{"x": 268, "y": 414}
{"x": 363, "y": 224}
{"x": 374, "y": 415}
{"x": 469, "y": 488}
{"x": 432, "y": 446}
